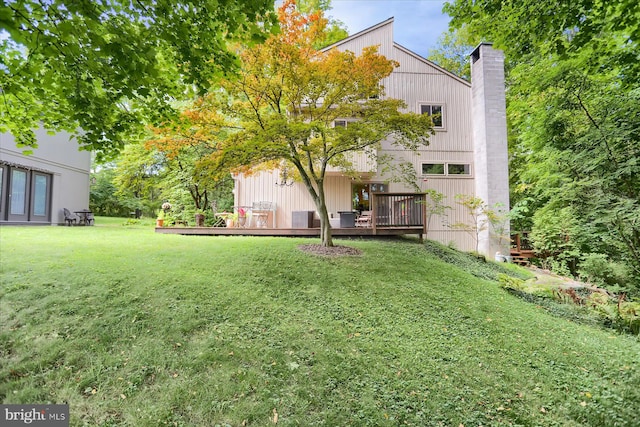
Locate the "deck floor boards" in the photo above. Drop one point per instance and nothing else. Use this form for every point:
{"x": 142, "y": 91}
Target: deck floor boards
{"x": 289, "y": 232}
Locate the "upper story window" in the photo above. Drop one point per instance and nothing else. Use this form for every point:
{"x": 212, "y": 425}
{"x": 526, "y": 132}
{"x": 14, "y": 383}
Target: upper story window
{"x": 340, "y": 123}
{"x": 436, "y": 113}
{"x": 446, "y": 169}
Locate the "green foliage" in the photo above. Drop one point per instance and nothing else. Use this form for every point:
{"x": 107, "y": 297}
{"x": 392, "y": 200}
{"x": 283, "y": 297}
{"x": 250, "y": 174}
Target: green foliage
{"x": 599, "y": 270}
{"x": 574, "y": 115}
{"x": 477, "y": 210}
{"x": 102, "y": 196}
{"x": 108, "y": 67}
{"x": 483, "y": 217}
{"x": 554, "y": 239}
{"x": 511, "y": 283}
{"x": 527, "y": 30}
{"x": 137, "y": 175}
{"x": 452, "y": 52}
{"x": 435, "y": 206}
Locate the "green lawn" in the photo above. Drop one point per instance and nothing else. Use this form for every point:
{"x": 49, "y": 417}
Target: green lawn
{"x": 134, "y": 328}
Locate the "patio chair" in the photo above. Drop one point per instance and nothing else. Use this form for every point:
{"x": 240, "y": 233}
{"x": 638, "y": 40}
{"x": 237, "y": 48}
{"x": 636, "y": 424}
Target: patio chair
{"x": 70, "y": 218}
{"x": 90, "y": 219}
{"x": 218, "y": 221}
{"x": 364, "y": 220}
{"x": 260, "y": 211}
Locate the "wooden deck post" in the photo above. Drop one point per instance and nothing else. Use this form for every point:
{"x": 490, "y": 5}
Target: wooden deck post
{"x": 374, "y": 213}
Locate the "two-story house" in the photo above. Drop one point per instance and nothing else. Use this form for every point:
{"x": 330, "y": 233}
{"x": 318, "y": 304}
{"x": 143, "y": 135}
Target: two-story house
{"x": 467, "y": 155}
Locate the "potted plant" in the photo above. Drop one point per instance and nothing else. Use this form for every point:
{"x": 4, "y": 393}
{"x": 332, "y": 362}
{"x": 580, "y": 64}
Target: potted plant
{"x": 160, "y": 218}
{"x": 229, "y": 218}
{"x": 242, "y": 217}
{"x": 199, "y": 218}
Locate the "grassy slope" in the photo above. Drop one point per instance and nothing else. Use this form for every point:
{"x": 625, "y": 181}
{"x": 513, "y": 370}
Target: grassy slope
{"x": 134, "y": 328}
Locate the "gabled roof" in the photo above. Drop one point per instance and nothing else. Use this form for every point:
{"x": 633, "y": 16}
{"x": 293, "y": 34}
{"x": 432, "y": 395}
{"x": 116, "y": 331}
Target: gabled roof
{"x": 431, "y": 64}
{"x": 359, "y": 34}
{"x": 397, "y": 46}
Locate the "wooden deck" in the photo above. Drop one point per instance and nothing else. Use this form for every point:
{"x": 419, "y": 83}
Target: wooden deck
{"x": 392, "y": 214}
{"x": 291, "y": 232}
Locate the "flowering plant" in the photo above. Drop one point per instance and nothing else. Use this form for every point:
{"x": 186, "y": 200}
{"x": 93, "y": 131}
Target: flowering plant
{"x": 166, "y": 206}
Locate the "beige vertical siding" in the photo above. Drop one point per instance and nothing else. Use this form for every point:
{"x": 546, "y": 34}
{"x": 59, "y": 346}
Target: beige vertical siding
{"x": 262, "y": 187}
{"x": 380, "y": 35}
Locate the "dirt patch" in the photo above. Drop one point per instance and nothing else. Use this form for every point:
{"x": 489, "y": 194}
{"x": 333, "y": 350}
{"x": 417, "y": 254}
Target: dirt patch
{"x": 330, "y": 251}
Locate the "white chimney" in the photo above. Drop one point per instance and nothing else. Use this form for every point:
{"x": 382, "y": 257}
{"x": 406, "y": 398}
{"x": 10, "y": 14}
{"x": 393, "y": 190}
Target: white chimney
{"x": 491, "y": 161}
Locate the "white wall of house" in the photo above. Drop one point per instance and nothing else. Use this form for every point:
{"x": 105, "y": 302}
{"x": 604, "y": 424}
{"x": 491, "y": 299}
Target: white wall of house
{"x": 58, "y": 156}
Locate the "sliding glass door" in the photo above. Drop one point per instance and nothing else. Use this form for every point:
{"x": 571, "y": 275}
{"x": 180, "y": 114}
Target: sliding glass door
{"x": 25, "y": 195}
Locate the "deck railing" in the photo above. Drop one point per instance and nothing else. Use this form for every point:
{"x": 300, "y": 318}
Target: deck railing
{"x": 398, "y": 210}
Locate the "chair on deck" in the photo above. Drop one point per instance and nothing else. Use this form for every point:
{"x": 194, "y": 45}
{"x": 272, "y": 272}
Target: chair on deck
{"x": 218, "y": 221}
{"x": 260, "y": 211}
{"x": 364, "y": 220}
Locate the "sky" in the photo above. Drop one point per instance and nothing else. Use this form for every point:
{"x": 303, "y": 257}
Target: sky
{"x": 417, "y": 23}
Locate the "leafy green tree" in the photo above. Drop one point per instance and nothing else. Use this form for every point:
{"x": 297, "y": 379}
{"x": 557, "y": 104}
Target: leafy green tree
{"x": 138, "y": 178}
{"x": 335, "y": 31}
{"x": 289, "y": 94}
{"x": 452, "y": 51}
{"x": 182, "y": 144}
{"x": 435, "y": 206}
{"x": 574, "y": 116}
{"x": 529, "y": 30}
{"x": 103, "y": 199}
{"x": 480, "y": 214}
{"x": 106, "y": 67}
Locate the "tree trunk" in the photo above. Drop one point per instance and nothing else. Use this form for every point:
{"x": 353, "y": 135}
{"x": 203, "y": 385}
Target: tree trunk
{"x": 325, "y": 225}
{"x": 325, "y": 228}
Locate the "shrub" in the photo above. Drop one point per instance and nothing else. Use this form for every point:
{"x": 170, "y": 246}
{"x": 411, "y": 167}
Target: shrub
{"x": 599, "y": 270}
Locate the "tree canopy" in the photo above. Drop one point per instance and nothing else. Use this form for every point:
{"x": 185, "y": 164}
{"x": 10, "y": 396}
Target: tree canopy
{"x": 289, "y": 94}
{"x": 108, "y": 67}
{"x": 573, "y": 110}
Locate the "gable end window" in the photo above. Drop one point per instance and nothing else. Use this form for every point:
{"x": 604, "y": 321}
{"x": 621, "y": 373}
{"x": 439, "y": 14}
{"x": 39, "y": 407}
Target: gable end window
{"x": 446, "y": 169}
{"x": 435, "y": 111}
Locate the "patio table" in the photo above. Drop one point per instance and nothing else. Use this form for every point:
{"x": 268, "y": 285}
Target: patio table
{"x": 85, "y": 216}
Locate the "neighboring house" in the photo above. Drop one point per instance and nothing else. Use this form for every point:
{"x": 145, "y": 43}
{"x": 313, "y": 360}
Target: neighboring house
{"x": 467, "y": 154}
{"x": 35, "y": 188}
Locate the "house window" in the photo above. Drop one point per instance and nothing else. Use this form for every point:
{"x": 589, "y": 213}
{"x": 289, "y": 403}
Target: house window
{"x": 435, "y": 111}
{"x": 433, "y": 169}
{"x": 458, "y": 169}
{"x": 340, "y": 123}
{"x": 446, "y": 169}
